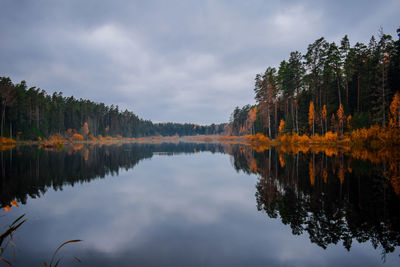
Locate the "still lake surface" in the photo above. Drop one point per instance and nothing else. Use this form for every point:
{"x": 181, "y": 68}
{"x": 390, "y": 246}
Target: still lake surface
{"x": 199, "y": 205}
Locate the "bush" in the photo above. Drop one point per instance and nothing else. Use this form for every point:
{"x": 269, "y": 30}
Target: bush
{"x": 77, "y": 137}
{"x": 6, "y": 141}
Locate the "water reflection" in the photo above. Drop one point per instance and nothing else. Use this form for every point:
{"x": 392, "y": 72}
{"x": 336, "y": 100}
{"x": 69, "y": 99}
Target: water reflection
{"x": 29, "y": 171}
{"x": 328, "y": 196}
{"x": 332, "y": 196}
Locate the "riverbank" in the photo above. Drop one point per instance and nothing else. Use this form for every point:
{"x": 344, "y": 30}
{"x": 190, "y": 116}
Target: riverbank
{"x": 373, "y": 138}
{"x": 54, "y": 142}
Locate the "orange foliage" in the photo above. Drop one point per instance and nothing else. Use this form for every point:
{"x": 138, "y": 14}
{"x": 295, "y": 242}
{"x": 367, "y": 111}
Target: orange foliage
{"x": 376, "y": 137}
{"x": 7, "y": 208}
{"x": 246, "y": 128}
{"x": 77, "y": 137}
{"x": 324, "y": 112}
{"x": 6, "y": 147}
{"x": 341, "y": 174}
{"x": 76, "y": 147}
{"x": 295, "y": 139}
{"x": 311, "y": 115}
{"x": 325, "y": 175}
{"x": 312, "y": 172}
{"x": 253, "y": 165}
{"x": 6, "y": 141}
{"x": 253, "y": 114}
{"x": 259, "y": 142}
{"x": 340, "y": 115}
{"x": 293, "y": 148}
{"x": 54, "y": 141}
{"x": 92, "y": 138}
{"x": 394, "y": 112}
{"x": 349, "y": 122}
{"x": 281, "y": 127}
{"x": 281, "y": 160}
{"x": 85, "y": 154}
{"x": 85, "y": 129}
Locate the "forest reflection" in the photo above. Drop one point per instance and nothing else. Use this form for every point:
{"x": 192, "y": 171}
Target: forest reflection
{"x": 335, "y": 195}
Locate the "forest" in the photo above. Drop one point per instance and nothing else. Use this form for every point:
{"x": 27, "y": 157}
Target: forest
{"x": 30, "y": 113}
{"x": 334, "y": 88}
{"x": 330, "y": 91}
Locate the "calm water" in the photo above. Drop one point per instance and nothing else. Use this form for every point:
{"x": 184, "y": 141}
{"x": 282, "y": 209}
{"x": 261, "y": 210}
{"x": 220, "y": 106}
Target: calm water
{"x": 200, "y": 205}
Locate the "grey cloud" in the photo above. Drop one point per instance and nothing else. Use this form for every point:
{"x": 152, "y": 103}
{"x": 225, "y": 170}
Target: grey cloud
{"x": 183, "y": 61}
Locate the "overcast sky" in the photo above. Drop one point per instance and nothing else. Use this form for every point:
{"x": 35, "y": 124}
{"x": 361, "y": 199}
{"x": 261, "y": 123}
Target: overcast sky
{"x": 181, "y": 61}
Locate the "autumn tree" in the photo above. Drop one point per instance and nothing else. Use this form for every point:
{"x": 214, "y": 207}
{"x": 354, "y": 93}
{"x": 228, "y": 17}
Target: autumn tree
{"x": 394, "y": 115}
{"x": 252, "y": 116}
{"x": 324, "y": 119}
{"x": 85, "y": 129}
{"x": 281, "y": 127}
{"x": 311, "y": 117}
{"x": 341, "y": 118}
{"x": 349, "y": 118}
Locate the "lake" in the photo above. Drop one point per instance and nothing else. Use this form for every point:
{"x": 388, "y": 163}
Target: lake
{"x": 187, "y": 204}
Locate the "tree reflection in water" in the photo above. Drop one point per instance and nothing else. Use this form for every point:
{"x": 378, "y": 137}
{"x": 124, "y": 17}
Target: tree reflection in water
{"x": 334, "y": 195}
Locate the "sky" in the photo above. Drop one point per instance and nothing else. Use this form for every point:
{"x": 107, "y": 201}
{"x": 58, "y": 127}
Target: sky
{"x": 178, "y": 61}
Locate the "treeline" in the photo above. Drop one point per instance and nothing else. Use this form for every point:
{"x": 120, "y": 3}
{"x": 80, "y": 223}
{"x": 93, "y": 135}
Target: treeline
{"x": 309, "y": 92}
{"x": 29, "y": 113}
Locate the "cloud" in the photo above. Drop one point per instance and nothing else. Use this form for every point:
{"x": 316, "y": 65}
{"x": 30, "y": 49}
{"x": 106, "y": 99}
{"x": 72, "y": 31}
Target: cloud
{"x": 183, "y": 61}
